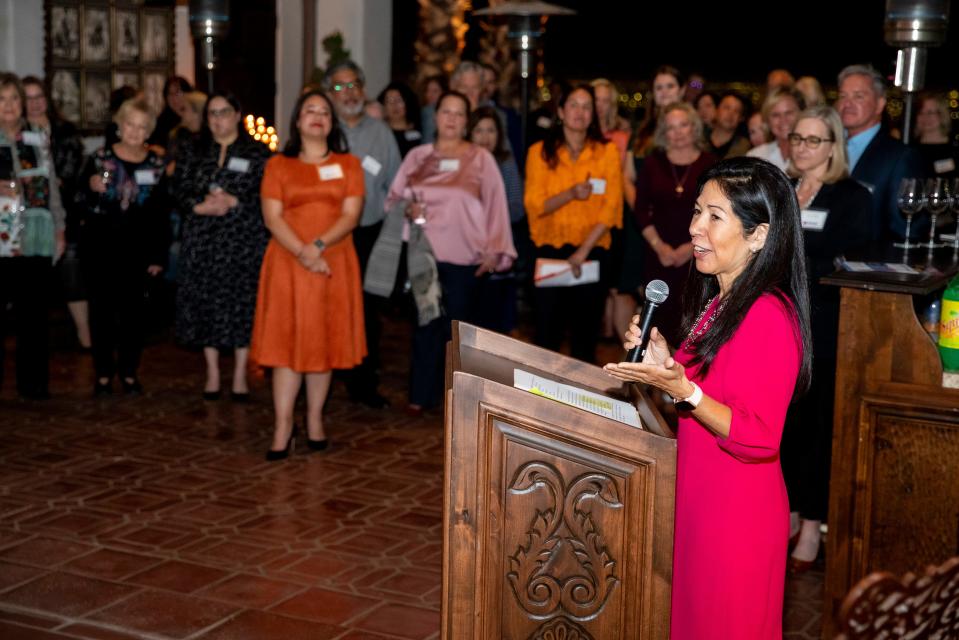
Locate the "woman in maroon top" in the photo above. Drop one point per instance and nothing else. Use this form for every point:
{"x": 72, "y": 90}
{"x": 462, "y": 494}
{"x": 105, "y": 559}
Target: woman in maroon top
{"x": 665, "y": 195}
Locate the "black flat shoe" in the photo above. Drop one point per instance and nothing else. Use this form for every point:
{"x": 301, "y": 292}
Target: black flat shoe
{"x": 273, "y": 455}
{"x": 102, "y": 388}
{"x": 131, "y": 387}
{"x": 240, "y": 396}
{"x": 318, "y": 445}
{"x": 211, "y": 395}
{"x": 372, "y": 400}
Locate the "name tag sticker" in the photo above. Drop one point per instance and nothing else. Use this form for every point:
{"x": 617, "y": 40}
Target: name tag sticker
{"x": 145, "y": 177}
{"x": 412, "y": 135}
{"x": 331, "y": 172}
{"x": 814, "y": 219}
{"x": 32, "y": 138}
{"x": 240, "y": 165}
{"x": 599, "y": 185}
{"x": 941, "y": 166}
{"x": 371, "y": 165}
{"x": 450, "y": 164}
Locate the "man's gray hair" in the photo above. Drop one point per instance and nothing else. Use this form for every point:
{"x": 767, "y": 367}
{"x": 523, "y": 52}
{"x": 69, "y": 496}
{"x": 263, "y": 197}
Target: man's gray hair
{"x": 465, "y": 67}
{"x": 878, "y": 82}
{"x": 339, "y": 66}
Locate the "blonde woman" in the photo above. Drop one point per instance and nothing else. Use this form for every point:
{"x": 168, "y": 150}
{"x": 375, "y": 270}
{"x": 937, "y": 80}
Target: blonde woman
{"x": 780, "y": 110}
{"x": 939, "y": 154}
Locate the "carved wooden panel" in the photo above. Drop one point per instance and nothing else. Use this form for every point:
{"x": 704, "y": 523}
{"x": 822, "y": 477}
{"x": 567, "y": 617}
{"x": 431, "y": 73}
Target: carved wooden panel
{"x": 915, "y": 608}
{"x": 908, "y": 506}
{"x": 559, "y": 522}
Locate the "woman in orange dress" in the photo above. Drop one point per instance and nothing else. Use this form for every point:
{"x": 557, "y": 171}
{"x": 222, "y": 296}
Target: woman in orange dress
{"x": 309, "y": 308}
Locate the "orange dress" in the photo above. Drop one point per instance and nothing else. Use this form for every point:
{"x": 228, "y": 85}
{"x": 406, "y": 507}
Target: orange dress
{"x": 310, "y": 322}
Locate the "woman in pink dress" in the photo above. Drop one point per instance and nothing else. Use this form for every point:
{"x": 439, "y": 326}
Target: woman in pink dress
{"x": 745, "y": 357}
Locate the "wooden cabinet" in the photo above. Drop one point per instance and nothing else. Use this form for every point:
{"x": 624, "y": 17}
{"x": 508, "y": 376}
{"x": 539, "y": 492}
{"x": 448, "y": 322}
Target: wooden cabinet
{"x": 558, "y": 522}
{"x": 894, "y": 488}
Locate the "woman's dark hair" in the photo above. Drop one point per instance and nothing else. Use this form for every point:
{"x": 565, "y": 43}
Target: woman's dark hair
{"x": 647, "y": 126}
{"x": 706, "y": 94}
{"x": 439, "y": 79}
{"x": 450, "y": 93}
{"x": 52, "y": 114}
{"x": 185, "y": 86}
{"x": 120, "y": 95}
{"x": 501, "y": 151}
{"x": 759, "y": 193}
{"x": 206, "y": 136}
{"x": 410, "y": 101}
{"x": 335, "y": 141}
{"x": 556, "y": 137}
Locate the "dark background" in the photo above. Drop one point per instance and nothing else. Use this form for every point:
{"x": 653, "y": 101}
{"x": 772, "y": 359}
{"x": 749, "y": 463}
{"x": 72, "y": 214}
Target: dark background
{"x": 726, "y": 41}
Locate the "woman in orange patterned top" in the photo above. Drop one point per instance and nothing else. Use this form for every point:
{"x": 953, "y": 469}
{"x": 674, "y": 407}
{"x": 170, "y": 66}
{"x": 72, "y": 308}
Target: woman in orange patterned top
{"x": 309, "y": 309}
{"x": 574, "y": 196}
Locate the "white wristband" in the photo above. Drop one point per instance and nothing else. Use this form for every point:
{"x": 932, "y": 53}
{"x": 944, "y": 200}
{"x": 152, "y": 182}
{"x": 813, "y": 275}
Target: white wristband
{"x": 690, "y": 403}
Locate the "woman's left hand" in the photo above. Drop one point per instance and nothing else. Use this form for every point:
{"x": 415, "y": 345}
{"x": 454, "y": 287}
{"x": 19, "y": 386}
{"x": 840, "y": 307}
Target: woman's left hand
{"x": 576, "y": 262}
{"x": 669, "y": 376}
{"x": 488, "y": 265}
{"x": 154, "y": 270}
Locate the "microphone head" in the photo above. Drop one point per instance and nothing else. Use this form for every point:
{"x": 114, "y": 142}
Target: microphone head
{"x": 657, "y": 291}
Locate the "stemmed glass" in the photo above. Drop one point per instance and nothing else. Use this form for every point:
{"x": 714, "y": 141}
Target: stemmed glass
{"x": 939, "y": 196}
{"x": 911, "y": 201}
{"x": 106, "y": 176}
{"x": 420, "y": 219}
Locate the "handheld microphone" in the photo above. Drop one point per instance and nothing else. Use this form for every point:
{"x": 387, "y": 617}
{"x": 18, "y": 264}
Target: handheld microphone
{"x": 656, "y": 293}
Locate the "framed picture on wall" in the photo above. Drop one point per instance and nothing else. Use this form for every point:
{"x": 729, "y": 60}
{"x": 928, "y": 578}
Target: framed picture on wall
{"x": 96, "y": 99}
{"x": 95, "y": 41}
{"x": 156, "y": 36}
{"x": 95, "y": 46}
{"x": 65, "y": 33}
{"x": 65, "y": 93}
{"x": 128, "y": 36}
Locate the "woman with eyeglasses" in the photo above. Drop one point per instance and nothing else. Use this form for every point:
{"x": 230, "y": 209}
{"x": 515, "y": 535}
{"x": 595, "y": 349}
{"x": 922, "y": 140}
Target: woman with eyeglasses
{"x": 401, "y": 111}
{"x": 835, "y": 213}
{"x": 217, "y": 185}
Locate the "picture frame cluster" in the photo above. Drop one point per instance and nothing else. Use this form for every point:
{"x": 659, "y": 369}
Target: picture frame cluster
{"x": 94, "y": 47}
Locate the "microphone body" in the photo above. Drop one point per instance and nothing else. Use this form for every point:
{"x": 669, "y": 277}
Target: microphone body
{"x": 656, "y": 293}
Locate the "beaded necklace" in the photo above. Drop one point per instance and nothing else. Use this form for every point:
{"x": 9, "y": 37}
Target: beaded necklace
{"x": 698, "y": 329}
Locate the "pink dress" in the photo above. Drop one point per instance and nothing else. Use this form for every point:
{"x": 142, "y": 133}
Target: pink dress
{"x": 732, "y": 514}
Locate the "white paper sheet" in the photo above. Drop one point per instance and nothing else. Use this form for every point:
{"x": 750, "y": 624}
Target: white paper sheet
{"x": 586, "y": 400}
{"x": 559, "y": 273}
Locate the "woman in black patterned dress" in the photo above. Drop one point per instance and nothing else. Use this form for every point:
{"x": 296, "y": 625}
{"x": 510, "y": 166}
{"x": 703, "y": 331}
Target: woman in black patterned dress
{"x": 217, "y": 185}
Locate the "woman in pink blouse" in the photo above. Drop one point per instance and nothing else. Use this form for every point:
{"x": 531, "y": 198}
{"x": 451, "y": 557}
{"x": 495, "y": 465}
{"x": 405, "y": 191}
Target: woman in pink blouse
{"x": 449, "y": 203}
{"x": 745, "y": 357}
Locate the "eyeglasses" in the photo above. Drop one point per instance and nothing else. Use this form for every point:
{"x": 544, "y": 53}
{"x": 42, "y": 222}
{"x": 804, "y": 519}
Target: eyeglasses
{"x": 225, "y": 112}
{"x": 812, "y": 142}
{"x": 337, "y": 88}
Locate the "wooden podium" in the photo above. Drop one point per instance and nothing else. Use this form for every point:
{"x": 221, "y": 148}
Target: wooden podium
{"x": 558, "y": 523}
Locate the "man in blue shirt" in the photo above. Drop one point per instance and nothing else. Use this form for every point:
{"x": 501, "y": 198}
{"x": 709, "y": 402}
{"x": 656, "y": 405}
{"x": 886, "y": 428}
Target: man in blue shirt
{"x": 876, "y": 159}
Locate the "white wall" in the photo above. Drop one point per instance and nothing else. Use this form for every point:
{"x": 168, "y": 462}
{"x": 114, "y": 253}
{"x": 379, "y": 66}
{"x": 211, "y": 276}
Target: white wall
{"x": 289, "y": 58}
{"x": 367, "y": 32}
{"x": 183, "y": 44}
{"x": 21, "y": 37}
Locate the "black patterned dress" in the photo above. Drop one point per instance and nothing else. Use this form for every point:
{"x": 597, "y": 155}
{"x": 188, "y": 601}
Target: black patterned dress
{"x": 220, "y": 255}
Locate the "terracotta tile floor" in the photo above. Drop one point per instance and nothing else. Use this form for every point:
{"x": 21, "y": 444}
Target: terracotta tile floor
{"x": 157, "y": 517}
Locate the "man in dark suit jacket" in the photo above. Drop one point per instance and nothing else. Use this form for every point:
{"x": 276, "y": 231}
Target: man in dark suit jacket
{"x": 876, "y": 159}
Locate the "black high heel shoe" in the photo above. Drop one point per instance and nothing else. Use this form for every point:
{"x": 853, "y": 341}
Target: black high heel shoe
{"x": 273, "y": 455}
{"x": 131, "y": 386}
{"x": 318, "y": 445}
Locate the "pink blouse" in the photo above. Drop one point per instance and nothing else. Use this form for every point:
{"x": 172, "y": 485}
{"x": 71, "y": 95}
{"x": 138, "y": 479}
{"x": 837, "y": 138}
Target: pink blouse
{"x": 467, "y": 215}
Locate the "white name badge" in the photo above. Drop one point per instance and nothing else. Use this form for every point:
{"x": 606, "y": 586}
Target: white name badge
{"x": 240, "y": 165}
{"x": 331, "y": 172}
{"x": 145, "y": 177}
{"x": 599, "y": 185}
{"x": 412, "y": 135}
{"x": 32, "y": 138}
{"x": 814, "y": 219}
{"x": 371, "y": 165}
{"x": 944, "y": 166}
{"x": 450, "y": 164}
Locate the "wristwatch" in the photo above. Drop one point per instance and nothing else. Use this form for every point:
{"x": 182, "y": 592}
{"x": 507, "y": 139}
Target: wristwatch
{"x": 690, "y": 403}
{"x": 319, "y": 244}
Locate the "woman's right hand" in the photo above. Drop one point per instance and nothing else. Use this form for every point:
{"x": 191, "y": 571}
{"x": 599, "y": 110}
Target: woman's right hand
{"x": 416, "y": 210}
{"x": 312, "y": 259}
{"x": 97, "y": 185}
{"x": 656, "y": 351}
{"x": 581, "y": 190}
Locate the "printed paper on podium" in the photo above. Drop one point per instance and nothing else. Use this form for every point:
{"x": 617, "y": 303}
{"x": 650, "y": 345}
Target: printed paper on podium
{"x": 559, "y": 273}
{"x": 587, "y": 400}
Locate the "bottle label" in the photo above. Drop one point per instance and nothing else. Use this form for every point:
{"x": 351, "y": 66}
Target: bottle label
{"x": 949, "y": 325}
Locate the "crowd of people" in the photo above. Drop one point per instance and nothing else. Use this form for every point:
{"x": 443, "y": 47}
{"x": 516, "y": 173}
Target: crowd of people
{"x": 290, "y": 261}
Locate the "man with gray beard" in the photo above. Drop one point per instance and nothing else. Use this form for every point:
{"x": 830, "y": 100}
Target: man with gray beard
{"x": 373, "y": 143}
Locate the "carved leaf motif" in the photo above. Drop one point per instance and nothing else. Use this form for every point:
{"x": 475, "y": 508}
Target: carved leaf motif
{"x": 881, "y": 606}
{"x": 561, "y": 629}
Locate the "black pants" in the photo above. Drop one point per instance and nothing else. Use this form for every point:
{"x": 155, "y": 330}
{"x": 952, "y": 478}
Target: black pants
{"x": 363, "y": 380}
{"x": 460, "y": 302}
{"x": 25, "y": 284}
{"x": 579, "y": 309}
{"x": 117, "y": 319}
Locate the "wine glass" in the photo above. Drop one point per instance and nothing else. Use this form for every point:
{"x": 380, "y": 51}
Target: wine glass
{"x": 420, "y": 219}
{"x": 939, "y": 196}
{"x": 105, "y": 176}
{"x": 911, "y": 200}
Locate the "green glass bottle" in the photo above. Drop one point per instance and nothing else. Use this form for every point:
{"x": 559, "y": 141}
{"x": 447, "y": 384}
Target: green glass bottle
{"x": 949, "y": 327}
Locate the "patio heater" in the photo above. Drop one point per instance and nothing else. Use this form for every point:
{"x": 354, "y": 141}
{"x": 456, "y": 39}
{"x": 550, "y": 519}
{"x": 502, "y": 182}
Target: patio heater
{"x": 525, "y": 22}
{"x": 209, "y": 22}
{"x": 913, "y": 26}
